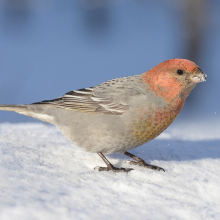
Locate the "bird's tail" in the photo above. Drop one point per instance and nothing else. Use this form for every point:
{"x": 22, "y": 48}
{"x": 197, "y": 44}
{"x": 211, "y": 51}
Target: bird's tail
{"x": 14, "y": 108}
{"x": 34, "y": 111}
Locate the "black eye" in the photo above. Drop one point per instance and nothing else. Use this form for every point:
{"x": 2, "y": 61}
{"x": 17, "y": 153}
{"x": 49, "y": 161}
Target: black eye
{"x": 180, "y": 72}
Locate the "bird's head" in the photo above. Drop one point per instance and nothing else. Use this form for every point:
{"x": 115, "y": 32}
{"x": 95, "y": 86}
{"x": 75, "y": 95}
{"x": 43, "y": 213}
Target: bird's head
{"x": 174, "y": 78}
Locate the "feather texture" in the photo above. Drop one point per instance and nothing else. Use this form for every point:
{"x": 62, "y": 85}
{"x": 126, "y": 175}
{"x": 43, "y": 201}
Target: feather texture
{"x": 106, "y": 98}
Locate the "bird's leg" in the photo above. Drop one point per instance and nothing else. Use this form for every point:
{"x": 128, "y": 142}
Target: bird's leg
{"x": 110, "y": 166}
{"x": 141, "y": 162}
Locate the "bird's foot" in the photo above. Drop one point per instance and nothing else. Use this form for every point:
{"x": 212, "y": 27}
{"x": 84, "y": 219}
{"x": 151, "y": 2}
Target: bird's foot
{"x": 144, "y": 164}
{"x": 114, "y": 169}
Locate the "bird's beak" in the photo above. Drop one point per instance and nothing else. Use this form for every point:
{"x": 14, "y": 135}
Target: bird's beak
{"x": 198, "y": 76}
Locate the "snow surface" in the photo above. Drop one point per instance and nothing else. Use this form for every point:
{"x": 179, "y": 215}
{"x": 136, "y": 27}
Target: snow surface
{"x": 44, "y": 176}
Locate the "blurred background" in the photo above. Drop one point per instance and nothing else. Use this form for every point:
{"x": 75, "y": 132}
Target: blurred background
{"x": 50, "y": 47}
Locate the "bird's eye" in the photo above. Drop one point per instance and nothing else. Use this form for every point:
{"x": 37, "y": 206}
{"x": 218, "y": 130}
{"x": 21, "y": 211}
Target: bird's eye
{"x": 180, "y": 72}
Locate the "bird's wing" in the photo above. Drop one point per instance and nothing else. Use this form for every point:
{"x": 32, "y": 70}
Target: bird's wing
{"x": 101, "y": 99}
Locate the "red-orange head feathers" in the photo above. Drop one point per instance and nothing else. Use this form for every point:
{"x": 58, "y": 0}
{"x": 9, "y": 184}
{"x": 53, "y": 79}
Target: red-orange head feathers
{"x": 174, "y": 78}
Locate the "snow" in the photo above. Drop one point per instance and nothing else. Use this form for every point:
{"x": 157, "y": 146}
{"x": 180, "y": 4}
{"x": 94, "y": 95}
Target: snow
{"x": 52, "y": 47}
{"x": 44, "y": 176}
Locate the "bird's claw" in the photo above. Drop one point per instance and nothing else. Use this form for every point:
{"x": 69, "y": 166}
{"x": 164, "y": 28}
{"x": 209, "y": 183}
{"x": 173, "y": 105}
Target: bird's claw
{"x": 144, "y": 164}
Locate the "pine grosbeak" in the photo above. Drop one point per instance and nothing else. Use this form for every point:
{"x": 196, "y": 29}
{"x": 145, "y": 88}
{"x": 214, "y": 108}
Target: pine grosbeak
{"x": 122, "y": 113}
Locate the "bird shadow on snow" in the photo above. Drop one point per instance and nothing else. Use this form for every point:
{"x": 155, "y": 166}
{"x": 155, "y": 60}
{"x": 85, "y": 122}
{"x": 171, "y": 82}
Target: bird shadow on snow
{"x": 175, "y": 150}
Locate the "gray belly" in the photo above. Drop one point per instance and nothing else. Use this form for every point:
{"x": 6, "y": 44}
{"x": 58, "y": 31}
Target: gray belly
{"x": 95, "y": 132}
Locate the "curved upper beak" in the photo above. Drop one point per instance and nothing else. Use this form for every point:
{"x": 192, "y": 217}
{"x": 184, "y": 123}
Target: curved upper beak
{"x": 198, "y": 76}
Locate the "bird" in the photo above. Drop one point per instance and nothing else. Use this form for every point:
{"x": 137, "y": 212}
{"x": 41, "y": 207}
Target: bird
{"x": 122, "y": 113}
